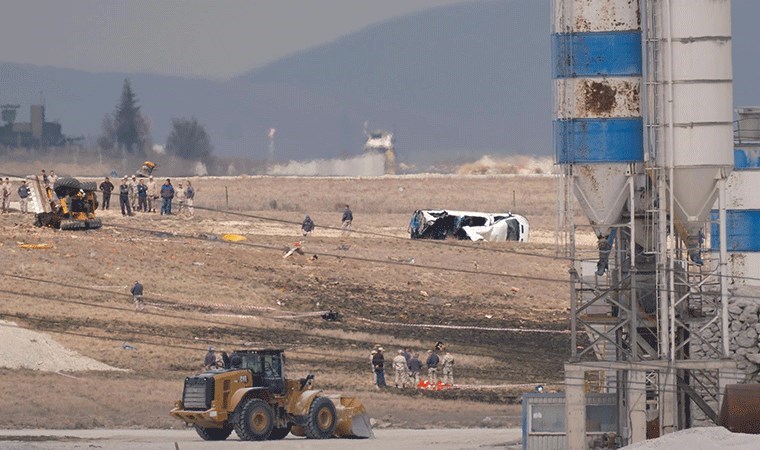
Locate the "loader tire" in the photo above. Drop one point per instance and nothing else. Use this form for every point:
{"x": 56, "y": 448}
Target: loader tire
{"x": 93, "y": 224}
{"x": 254, "y": 421}
{"x": 73, "y": 225}
{"x": 322, "y": 419}
{"x": 279, "y": 433}
{"x": 88, "y": 186}
{"x": 66, "y": 186}
{"x": 213, "y": 434}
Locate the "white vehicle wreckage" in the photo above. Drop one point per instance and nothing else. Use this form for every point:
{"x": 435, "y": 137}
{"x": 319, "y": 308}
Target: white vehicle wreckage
{"x": 475, "y": 226}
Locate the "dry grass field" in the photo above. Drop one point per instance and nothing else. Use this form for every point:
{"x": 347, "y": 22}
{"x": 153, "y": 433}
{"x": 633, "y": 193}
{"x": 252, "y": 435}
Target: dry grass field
{"x": 203, "y": 291}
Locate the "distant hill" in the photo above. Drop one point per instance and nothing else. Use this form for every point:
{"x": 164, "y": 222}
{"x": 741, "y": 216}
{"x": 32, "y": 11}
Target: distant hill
{"x": 456, "y": 81}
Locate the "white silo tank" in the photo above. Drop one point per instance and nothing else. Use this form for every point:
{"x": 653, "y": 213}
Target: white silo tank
{"x": 598, "y": 126}
{"x": 743, "y": 204}
{"x": 699, "y": 137}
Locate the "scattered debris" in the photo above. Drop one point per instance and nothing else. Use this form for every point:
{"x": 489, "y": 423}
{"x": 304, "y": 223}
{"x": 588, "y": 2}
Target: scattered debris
{"x": 331, "y": 316}
{"x": 199, "y": 263}
{"x": 295, "y": 247}
{"x": 515, "y": 289}
{"x": 314, "y": 258}
{"x": 35, "y": 246}
{"x": 208, "y": 237}
{"x": 489, "y": 316}
{"x": 402, "y": 260}
{"x": 344, "y": 247}
{"x": 233, "y": 237}
{"x": 126, "y": 346}
{"x": 424, "y": 293}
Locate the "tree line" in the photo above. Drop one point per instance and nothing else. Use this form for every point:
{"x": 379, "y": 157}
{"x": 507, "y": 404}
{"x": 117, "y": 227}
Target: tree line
{"x": 128, "y": 130}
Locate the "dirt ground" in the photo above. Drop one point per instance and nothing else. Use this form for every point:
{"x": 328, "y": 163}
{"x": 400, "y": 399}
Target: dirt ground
{"x": 201, "y": 290}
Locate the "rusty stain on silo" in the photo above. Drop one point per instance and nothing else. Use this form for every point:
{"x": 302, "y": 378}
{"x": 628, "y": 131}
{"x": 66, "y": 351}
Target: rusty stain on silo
{"x": 599, "y": 98}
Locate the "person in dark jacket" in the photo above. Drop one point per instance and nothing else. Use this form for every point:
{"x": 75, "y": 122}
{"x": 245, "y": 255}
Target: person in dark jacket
{"x": 235, "y": 361}
{"x": 432, "y": 365}
{"x": 142, "y": 196}
{"x": 347, "y": 219}
{"x": 209, "y": 362}
{"x": 106, "y": 187}
{"x": 137, "y": 296}
{"x": 126, "y": 208}
{"x": 307, "y": 226}
{"x": 23, "y": 195}
{"x": 167, "y": 194}
{"x": 378, "y": 362}
{"x": 415, "y": 366}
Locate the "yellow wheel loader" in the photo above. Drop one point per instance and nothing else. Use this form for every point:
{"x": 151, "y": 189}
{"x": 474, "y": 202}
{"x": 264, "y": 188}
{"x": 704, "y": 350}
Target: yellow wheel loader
{"x": 254, "y": 399}
{"x": 69, "y": 204}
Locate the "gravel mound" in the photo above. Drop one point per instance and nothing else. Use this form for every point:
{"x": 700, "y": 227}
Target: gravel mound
{"x": 26, "y": 349}
{"x": 707, "y": 438}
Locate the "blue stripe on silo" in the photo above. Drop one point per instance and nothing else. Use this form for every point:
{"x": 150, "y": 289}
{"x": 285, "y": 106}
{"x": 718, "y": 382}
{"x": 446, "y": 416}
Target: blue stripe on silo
{"x": 745, "y": 158}
{"x": 599, "y": 140}
{"x": 596, "y": 54}
{"x": 742, "y": 227}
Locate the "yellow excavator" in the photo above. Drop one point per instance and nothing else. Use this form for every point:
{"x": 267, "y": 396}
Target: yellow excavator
{"x": 254, "y": 399}
{"x": 69, "y": 204}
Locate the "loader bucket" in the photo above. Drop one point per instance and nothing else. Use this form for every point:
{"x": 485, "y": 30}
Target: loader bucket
{"x": 353, "y": 420}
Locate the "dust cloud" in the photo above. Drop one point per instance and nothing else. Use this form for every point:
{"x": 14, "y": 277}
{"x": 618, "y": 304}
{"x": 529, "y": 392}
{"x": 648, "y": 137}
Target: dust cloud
{"x": 366, "y": 165}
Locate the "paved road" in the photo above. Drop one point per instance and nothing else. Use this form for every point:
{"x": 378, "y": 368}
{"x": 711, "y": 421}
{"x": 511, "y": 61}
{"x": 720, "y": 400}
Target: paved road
{"x": 445, "y": 439}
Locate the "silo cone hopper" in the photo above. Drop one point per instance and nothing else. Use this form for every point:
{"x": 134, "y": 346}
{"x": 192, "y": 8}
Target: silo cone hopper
{"x": 601, "y": 192}
{"x": 695, "y": 192}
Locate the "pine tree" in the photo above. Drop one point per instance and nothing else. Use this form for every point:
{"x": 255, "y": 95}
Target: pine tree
{"x": 188, "y": 139}
{"x": 127, "y": 121}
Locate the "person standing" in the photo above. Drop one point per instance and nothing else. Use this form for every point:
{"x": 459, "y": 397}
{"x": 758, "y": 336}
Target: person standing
{"x": 23, "y": 194}
{"x": 126, "y": 209}
{"x": 347, "y": 218}
{"x": 400, "y": 370}
{"x": 167, "y": 194}
{"x": 372, "y": 365}
{"x": 106, "y": 187}
{"x": 45, "y": 179}
{"x": 6, "y": 191}
{"x": 137, "y": 296}
{"x": 52, "y": 178}
{"x": 142, "y": 196}
{"x": 307, "y": 226}
{"x": 415, "y": 365}
{"x": 447, "y": 368}
{"x": 209, "y": 362}
{"x": 378, "y": 363}
{"x": 432, "y": 365}
{"x": 152, "y": 194}
{"x": 179, "y": 194}
{"x": 133, "y": 192}
{"x": 190, "y": 198}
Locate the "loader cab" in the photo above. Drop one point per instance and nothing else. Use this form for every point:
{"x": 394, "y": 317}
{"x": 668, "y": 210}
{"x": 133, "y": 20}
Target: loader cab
{"x": 267, "y": 366}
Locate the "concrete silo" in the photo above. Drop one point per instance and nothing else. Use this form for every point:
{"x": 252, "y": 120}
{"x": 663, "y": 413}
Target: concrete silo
{"x": 643, "y": 132}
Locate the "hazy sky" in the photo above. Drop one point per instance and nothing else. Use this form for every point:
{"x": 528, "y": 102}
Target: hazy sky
{"x": 200, "y": 38}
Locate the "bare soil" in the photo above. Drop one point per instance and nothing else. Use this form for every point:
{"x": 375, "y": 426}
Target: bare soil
{"x": 201, "y": 290}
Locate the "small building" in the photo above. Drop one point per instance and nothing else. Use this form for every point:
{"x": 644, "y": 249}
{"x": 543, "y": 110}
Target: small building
{"x": 35, "y": 133}
{"x": 545, "y": 425}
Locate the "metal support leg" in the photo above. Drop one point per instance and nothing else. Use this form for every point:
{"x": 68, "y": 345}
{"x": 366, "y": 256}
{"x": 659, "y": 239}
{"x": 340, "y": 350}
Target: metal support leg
{"x": 575, "y": 407}
{"x": 637, "y": 402}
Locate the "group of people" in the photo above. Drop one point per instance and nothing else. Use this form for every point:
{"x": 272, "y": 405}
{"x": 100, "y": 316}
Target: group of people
{"x": 407, "y": 367}
{"x": 307, "y": 226}
{"x": 137, "y": 195}
{"x": 23, "y": 191}
{"x": 221, "y": 360}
